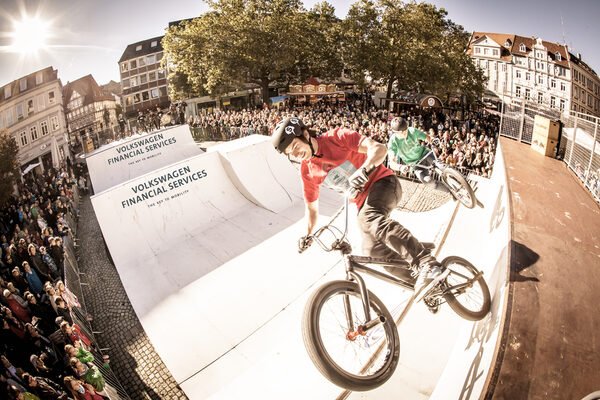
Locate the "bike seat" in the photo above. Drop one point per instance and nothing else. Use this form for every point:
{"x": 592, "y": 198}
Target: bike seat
{"x": 428, "y": 245}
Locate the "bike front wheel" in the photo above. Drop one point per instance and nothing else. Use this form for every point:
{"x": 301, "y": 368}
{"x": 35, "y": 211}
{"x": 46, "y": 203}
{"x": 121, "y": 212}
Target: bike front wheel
{"x": 465, "y": 289}
{"x": 459, "y": 187}
{"x": 346, "y": 356}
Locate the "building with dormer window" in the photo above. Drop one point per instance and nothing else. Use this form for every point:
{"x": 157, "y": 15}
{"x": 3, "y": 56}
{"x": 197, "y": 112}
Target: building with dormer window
{"x": 143, "y": 82}
{"x": 520, "y": 67}
{"x": 88, "y": 109}
{"x": 31, "y": 109}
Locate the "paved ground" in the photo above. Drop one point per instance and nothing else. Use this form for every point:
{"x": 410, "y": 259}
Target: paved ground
{"x": 133, "y": 358}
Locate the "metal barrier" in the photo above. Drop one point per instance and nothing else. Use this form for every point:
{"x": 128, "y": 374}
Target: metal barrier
{"x": 224, "y": 133}
{"x": 73, "y": 283}
{"x": 578, "y": 146}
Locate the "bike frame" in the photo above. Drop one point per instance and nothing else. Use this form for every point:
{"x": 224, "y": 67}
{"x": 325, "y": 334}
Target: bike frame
{"x": 354, "y": 265}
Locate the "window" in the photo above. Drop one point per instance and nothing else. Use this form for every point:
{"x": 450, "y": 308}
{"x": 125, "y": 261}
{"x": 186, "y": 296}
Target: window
{"x": 132, "y": 64}
{"x": 161, "y": 73}
{"x": 552, "y": 102}
{"x": 24, "y": 140}
{"x": 138, "y": 47}
{"x": 154, "y": 93}
{"x": 540, "y": 79}
{"x": 477, "y": 62}
{"x": 562, "y": 105}
{"x": 495, "y": 86}
{"x": 518, "y": 91}
{"x": 162, "y": 91}
{"x": 495, "y": 52}
{"x": 484, "y": 64}
{"x": 503, "y": 67}
{"x": 128, "y": 100}
{"x": 540, "y": 97}
{"x": 159, "y": 57}
{"x": 44, "y": 127}
{"x": 522, "y": 48}
{"x": 141, "y": 61}
{"x": 23, "y": 85}
{"x": 150, "y": 59}
{"x": 558, "y": 56}
{"x": 495, "y": 65}
{"x": 30, "y": 107}
{"x": 136, "y": 98}
{"x": 590, "y": 99}
{"x": 477, "y": 50}
{"x": 153, "y": 43}
{"x": 527, "y": 94}
{"x": 563, "y": 86}
{"x": 576, "y": 94}
{"x": 126, "y": 83}
{"x": 34, "y": 133}
{"x": 486, "y": 51}
{"x": 39, "y": 78}
{"x": 134, "y": 81}
{"x": 124, "y": 66}
{"x": 19, "y": 111}
{"x": 7, "y": 92}
{"x": 145, "y": 96}
{"x": 143, "y": 79}
{"x": 553, "y": 83}
{"x": 54, "y": 123}
{"x": 51, "y": 97}
{"x": 528, "y": 76}
{"x": 152, "y": 76}
{"x": 583, "y": 96}
{"x": 518, "y": 74}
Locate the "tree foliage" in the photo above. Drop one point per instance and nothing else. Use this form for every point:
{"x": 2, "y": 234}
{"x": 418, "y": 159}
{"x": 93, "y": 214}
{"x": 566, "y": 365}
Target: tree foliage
{"x": 256, "y": 41}
{"x": 9, "y": 167}
{"x": 411, "y": 45}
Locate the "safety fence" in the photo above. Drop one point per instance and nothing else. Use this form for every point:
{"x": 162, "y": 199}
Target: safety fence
{"x": 80, "y": 316}
{"x": 223, "y": 133}
{"x": 578, "y": 144}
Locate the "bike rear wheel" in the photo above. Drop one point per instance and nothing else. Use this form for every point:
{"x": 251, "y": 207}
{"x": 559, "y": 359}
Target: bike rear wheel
{"x": 358, "y": 364}
{"x": 468, "y": 297}
{"x": 459, "y": 187}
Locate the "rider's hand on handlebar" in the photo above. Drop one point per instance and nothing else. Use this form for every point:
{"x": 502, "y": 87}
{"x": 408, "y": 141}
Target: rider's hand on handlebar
{"x": 304, "y": 243}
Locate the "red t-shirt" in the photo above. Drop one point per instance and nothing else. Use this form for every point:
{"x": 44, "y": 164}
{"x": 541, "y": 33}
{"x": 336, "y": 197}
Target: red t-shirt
{"x": 337, "y": 146}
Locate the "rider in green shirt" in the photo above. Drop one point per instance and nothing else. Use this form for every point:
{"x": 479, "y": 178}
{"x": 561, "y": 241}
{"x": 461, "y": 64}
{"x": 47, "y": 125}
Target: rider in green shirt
{"x": 405, "y": 146}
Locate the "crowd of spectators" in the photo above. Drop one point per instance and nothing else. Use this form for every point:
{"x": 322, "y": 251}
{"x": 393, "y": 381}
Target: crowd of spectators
{"x": 44, "y": 353}
{"x": 468, "y": 144}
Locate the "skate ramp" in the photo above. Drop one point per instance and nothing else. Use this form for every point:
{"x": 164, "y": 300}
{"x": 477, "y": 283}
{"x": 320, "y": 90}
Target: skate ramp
{"x": 215, "y": 278}
{"x": 122, "y": 160}
{"x": 198, "y": 256}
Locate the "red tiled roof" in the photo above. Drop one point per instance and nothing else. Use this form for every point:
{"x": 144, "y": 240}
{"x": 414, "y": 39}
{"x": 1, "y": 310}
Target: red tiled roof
{"x": 88, "y": 88}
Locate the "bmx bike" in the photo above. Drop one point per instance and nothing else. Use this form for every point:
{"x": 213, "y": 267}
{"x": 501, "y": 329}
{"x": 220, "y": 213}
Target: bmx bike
{"x": 456, "y": 183}
{"x": 348, "y": 332}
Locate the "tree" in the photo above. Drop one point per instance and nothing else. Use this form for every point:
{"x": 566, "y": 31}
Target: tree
{"x": 9, "y": 167}
{"x": 413, "y": 46}
{"x": 257, "y": 41}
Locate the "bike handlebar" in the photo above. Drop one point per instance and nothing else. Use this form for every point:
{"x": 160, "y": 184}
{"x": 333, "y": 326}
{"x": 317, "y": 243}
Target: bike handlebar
{"x": 338, "y": 244}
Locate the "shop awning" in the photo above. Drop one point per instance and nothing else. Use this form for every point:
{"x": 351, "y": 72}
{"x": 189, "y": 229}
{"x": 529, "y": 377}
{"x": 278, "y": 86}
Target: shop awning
{"x": 29, "y": 168}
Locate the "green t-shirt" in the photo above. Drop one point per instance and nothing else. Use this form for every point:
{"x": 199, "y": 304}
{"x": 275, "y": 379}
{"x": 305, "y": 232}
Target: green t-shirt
{"x": 409, "y": 149}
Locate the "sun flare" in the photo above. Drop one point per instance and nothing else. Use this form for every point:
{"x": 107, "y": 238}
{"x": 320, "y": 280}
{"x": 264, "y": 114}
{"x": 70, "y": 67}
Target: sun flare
{"x": 30, "y": 35}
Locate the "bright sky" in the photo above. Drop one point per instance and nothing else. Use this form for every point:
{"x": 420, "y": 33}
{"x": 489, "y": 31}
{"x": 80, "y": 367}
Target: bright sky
{"x": 88, "y": 36}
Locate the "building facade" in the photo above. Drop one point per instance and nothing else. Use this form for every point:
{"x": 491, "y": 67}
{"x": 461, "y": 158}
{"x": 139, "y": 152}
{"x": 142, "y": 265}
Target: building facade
{"x": 586, "y": 87}
{"x": 31, "y": 109}
{"x": 519, "y": 67}
{"x": 143, "y": 82}
{"x": 89, "y": 110}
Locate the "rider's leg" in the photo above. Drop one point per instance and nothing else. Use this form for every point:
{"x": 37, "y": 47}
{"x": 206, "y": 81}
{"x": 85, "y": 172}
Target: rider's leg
{"x": 424, "y": 174}
{"x": 379, "y": 229}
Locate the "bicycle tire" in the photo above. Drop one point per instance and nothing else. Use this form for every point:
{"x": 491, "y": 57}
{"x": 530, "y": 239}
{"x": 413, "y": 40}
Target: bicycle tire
{"x": 321, "y": 357}
{"x": 453, "y": 300}
{"x": 451, "y": 173}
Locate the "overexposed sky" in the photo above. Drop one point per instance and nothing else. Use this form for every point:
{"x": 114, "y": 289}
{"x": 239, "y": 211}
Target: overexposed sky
{"x": 89, "y": 36}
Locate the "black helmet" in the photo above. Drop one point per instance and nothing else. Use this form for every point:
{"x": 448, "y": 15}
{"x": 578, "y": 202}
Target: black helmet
{"x": 398, "y": 124}
{"x": 286, "y": 131}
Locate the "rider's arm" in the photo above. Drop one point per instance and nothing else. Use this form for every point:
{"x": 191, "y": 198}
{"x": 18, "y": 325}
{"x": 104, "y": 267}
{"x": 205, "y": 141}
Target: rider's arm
{"x": 312, "y": 214}
{"x": 375, "y": 151}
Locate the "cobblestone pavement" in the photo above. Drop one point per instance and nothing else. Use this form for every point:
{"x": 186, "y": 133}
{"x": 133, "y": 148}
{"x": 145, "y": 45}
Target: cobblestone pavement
{"x": 133, "y": 358}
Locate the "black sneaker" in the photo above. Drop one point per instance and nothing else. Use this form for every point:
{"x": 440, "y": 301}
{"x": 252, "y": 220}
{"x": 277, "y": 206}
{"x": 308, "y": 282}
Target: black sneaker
{"x": 431, "y": 274}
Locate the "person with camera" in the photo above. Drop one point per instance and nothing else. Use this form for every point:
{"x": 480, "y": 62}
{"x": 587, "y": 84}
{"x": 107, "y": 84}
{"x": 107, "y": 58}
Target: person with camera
{"x": 373, "y": 188}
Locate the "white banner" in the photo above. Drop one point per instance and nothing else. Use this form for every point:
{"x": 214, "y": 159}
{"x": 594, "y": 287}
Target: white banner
{"x": 127, "y": 159}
